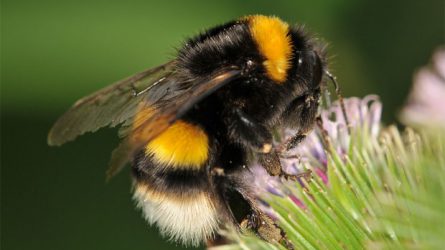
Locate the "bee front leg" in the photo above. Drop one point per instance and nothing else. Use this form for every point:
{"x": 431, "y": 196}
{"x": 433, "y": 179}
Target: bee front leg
{"x": 296, "y": 139}
{"x": 246, "y": 130}
{"x": 272, "y": 164}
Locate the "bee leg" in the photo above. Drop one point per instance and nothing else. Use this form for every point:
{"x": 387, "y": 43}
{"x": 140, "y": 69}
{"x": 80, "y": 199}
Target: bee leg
{"x": 246, "y": 213}
{"x": 266, "y": 229}
{"x": 262, "y": 224}
{"x": 272, "y": 164}
{"x": 249, "y": 132}
{"x": 270, "y": 231}
{"x": 294, "y": 141}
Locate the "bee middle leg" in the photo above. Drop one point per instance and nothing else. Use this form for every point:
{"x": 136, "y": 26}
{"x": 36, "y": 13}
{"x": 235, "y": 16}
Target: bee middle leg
{"x": 239, "y": 203}
{"x": 261, "y": 223}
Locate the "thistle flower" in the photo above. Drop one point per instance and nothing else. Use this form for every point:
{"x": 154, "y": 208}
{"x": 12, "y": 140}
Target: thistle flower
{"x": 364, "y": 115}
{"x": 374, "y": 188}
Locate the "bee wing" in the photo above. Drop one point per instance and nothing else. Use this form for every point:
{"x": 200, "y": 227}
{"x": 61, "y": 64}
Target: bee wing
{"x": 109, "y": 106}
{"x": 174, "y": 100}
{"x": 164, "y": 105}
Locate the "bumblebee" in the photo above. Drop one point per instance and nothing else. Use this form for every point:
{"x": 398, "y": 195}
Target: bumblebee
{"x": 191, "y": 128}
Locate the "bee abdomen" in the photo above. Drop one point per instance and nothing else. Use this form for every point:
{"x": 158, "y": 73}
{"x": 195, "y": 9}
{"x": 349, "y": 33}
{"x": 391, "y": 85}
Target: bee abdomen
{"x": 177, "y": 198}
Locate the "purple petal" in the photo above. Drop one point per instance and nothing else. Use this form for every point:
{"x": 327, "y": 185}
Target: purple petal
{"x": 426, "y": 103}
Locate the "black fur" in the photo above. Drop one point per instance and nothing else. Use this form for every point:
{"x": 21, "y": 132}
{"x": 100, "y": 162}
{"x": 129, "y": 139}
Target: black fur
{"x": 213, "y": 50}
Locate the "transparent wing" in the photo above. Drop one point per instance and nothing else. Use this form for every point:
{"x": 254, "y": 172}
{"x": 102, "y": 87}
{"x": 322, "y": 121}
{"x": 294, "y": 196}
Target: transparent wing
{"x": 109, "y": 106}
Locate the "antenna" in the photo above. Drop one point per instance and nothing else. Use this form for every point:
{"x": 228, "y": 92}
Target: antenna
{"x": 340, "y": 99}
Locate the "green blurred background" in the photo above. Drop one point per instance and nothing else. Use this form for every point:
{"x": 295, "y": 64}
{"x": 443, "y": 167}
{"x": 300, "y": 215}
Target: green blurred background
{"x": 54, "y": 52}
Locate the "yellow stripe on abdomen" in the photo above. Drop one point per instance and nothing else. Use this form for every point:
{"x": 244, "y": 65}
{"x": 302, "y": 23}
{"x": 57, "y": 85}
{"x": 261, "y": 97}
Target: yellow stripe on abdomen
{"x": 182, "y": 145}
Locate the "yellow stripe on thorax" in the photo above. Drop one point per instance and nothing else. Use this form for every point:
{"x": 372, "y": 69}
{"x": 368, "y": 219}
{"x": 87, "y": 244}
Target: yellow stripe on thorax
{"x": 182, "y": 145}
{"x": 274, "y": 43}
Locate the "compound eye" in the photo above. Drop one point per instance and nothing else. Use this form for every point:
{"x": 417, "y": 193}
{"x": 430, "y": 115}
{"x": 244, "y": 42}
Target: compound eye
{"x": 310, "y": 67}
{"x": 317, "y": 69}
